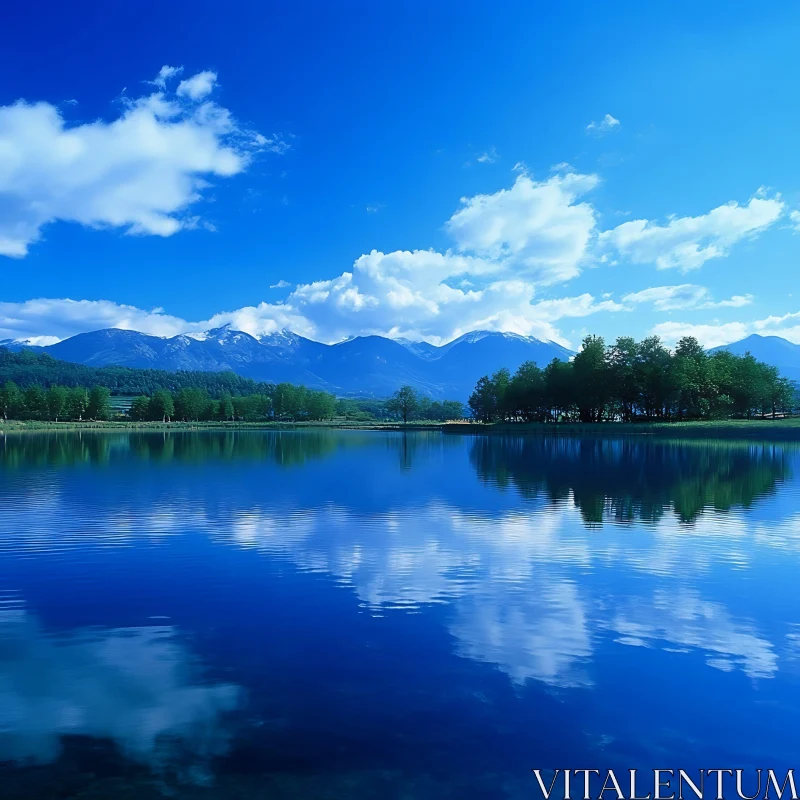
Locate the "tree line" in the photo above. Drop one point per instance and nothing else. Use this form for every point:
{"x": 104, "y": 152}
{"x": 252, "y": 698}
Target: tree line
{"x": 630, "y": 381}
{"x": 284, "y": 401}
{"x": 57, "y": 403}
{"x": 30, "y": 370}
{"x": 406, "y": 404}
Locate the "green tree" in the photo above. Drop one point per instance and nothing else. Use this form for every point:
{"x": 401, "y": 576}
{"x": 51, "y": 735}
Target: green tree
{"x": 452, "y": 409}
{"x": 559, "y": 389}
{"x": 592, "y": 379}
{"x": 501, "y": 381}
{"x": 140, "y": 408}
{"x": 77, "y": 401}
{"x": 482, "y": 400}
{"x": 190, "y": 404}
{"x": 653, "y": 377}
{"x": 320, "y": 405}
{"x": 10, "y": 400}
{"x": 526, "y": 392}
{"x": 162, "y": 406}
{"x": 403, "y": 403}
{"x": 692, "y": 382}
{"x": 622, "y": 376}
{"x": 57, "y": 397}
{"x": 99, "y": 405}
{"x": 35, "y": 403}
{"x": 226, "y": 406}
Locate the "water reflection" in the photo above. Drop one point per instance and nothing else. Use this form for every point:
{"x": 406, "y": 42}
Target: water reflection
{"x": 543, "y": 567}
{"x": 627, "y": 479}
{"x": 63, "y": 449}
{"x": 138, "y": 687}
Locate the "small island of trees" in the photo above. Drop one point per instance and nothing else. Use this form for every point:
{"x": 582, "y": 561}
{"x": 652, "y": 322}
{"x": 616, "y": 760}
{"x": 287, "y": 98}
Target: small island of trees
{"x": 633, "y": 381}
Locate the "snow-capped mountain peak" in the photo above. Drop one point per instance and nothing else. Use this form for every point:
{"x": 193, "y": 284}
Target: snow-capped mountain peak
{"x": 282, "y": 338}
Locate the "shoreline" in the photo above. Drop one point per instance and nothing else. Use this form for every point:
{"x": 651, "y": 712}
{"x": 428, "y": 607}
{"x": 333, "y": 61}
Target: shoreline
{"x": 30, "y": 426}
{"x": 786, "y": 429}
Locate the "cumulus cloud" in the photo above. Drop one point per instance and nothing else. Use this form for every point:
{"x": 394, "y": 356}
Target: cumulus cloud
{"x": 61, "y": 318}
{"x": 686, "y": 243}
{"x": 787, "y": 326}
{"x": 539, "y": 227}
{"x": 139, "y": 172}
{"x": 709, "y": 335}
{"x": 198, "y": 86}
{"x": 506, "y": 247}
{"x": 607, "y": 124}
{"x": 683, "y": 297}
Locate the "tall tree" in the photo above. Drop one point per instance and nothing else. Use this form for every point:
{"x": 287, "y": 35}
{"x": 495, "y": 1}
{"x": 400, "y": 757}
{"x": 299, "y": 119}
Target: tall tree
{"x": 654, "y": 377}
{"x": 622, "y": 376}
{"x": 592, "y": 379}
{"x": 482, "y": 400}
{"x": 57, "y": 402}
{"x": 226, "y": 406}
{"x": 77, "y": 400}
{"x": 403, "y": 403}
{"x": 140, "y": 408}
{"x": 162, "y": 406}
{"x": 35, "y": 402}
{"x": 99, "y": 405}
{"x": 10, "y": 400}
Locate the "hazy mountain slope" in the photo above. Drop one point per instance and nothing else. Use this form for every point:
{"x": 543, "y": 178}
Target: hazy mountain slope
{"x": 365, "y": 365}
{"x": 774, "y": 350}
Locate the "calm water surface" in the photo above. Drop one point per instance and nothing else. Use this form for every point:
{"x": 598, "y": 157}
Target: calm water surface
{"x": 378, "y": 615}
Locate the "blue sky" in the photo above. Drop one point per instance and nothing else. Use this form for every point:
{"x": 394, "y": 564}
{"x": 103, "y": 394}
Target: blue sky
{"x": 409, "y": 169}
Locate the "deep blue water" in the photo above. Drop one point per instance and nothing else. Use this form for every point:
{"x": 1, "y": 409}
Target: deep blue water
{"x": 380, "y": 615}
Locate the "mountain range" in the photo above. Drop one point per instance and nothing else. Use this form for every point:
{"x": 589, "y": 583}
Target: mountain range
{"x": 362, "y": 366}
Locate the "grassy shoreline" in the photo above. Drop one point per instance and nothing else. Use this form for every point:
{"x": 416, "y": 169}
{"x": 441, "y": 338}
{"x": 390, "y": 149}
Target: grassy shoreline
{"x": 729, "y": 428}
{"x": 763, "y": 429}
{"x": 14, "y": 426}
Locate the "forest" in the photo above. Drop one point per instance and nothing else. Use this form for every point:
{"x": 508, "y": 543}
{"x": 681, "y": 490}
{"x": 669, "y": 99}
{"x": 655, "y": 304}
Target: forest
{"x": 631, "y": 381}
{"x": 62, "y": 403}
{"x": 27, "y": 368}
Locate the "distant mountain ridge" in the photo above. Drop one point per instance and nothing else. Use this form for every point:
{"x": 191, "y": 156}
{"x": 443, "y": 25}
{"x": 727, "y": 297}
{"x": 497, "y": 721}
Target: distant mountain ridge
{"x": 364, "y": 365}
{"x": 774, "y": 350}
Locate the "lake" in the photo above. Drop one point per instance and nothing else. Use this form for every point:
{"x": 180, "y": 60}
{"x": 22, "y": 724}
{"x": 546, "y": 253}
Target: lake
{"x": 346, "y": 614}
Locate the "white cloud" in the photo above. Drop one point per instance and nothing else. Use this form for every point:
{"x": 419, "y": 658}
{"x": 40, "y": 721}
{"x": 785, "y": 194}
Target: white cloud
{"x": 686, "y": 243}
{"x": 607, "y": 124}
{"x": 164, "y": 74}
{"x": 683, "y": 297}
{"x": 716, "y": 333}
{"x": 709, "y": 335}
{"x": 198, "y": 86}
{"x": 538, "y": 227}
{"x": 507, "y": 245}
{"x": 580, "y": 306}
{"x": 63, "y": 318}
{"x": 139, "y": 172}
{"x": 488, "y": 156}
